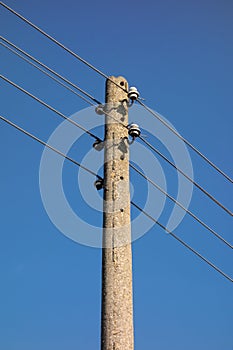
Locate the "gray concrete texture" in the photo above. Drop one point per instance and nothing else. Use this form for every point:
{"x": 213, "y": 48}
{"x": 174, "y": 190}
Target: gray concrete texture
{"x": 117, "y": 301}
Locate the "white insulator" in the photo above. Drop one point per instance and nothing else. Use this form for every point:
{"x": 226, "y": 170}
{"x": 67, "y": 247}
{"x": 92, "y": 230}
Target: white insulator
{"x": 134, "y": 130}
{"x": 133, "y": 93}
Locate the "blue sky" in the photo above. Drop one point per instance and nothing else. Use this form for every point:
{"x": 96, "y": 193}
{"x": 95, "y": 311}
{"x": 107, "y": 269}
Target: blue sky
{"x": 179, "y": 54}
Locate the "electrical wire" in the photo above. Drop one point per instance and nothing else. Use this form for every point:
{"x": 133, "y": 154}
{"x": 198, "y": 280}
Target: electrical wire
{"x": 181, "y": 206}
{"x": 61, "y": 45}
{"x": 134, "y": 204}
{"x": 50, "y": 107}
{"x": 84, "y": 92}
{"x": 60, "y": 114}
{"x": 186, "y": 176}
{"x": 93, "y": 99}
{"x": 182, "y": 242}
{"x": 156, "y": 115}
{"x": 91, "y": 134}
{"x": 49, "y": 146}
{"x": 47, "y": 74}
{"x": 106, "y": 77}
{"x": 190, "y": 213}
{"x": 58, "y": 75}
{"x": 140, "y": 102}
{"x": 170, "y": 197}
{"x": 49, "y": 69}
{"x": 52, "y": 71}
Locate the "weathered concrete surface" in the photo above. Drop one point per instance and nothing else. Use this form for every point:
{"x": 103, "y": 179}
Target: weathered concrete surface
{"x": 117, "y": 301}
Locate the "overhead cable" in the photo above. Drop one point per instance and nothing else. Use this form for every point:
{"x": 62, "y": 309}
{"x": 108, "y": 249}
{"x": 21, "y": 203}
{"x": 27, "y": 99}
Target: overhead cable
{"x": 181, "y": 206}
{"x": 60, "y": 44}
{"x": 48, "y": 146}
{"x": 186, "y": 176}
{"x": 92, "y": 98}
{"x": 106, "y": 77}
{"x": 157, "y": 116}
{"x": 91, "y": 134}
{"x": 49, "y": 69}
{"x": 50, "y": 107}
{"x": 183, "y": 243}
{"x": 134, "y": 204}
{"x": 78, "y": 125}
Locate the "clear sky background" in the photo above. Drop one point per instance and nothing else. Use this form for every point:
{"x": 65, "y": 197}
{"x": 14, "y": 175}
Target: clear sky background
{"x": 179, "y": 54}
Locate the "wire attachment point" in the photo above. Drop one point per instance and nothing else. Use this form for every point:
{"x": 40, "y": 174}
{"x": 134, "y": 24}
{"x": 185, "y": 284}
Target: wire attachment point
{"x": 133, "y": 94}
{"x": 134, "y": 131}
{"x": 98, "y": 145}
{"x": 99, "y": 109}
{"x": 99, "y": 184}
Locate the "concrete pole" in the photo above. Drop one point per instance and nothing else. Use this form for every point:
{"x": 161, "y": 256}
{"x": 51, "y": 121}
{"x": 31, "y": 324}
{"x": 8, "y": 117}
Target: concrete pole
{"x": 117, "y": 301}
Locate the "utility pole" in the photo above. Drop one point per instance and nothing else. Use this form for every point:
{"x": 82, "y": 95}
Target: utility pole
{"x": 117, "y": 301}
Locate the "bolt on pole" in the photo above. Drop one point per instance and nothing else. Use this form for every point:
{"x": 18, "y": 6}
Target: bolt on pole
{"x": 117, "y": 331}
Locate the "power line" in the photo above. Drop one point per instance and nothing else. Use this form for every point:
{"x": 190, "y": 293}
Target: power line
{"x": 84, "y": 92}
{"x": 91, "y": 97}
{"x": 55, "y": 73}
{"x": 182, "y": 242}
{"x": 91, "y": 134}
{"x": 49, "y": 107}
{"x": 134, "y": 204}
{"x": 48, "y": 146}
{"x": 181, "y": 206}
{"x": 47, "y": 74}
{"x": 190, "y": 213}
{"x": 49, "y": 69}
{"x": 156, "y": 115}
{"x": 106, "y": 77}
{"x": 185, "y": 175}
{"x": 60, "y": 44}
{"x": 60, "y": 114}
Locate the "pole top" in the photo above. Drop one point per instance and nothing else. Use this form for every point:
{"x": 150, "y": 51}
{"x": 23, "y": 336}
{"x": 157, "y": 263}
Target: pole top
{"x": 120, "y": 80}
